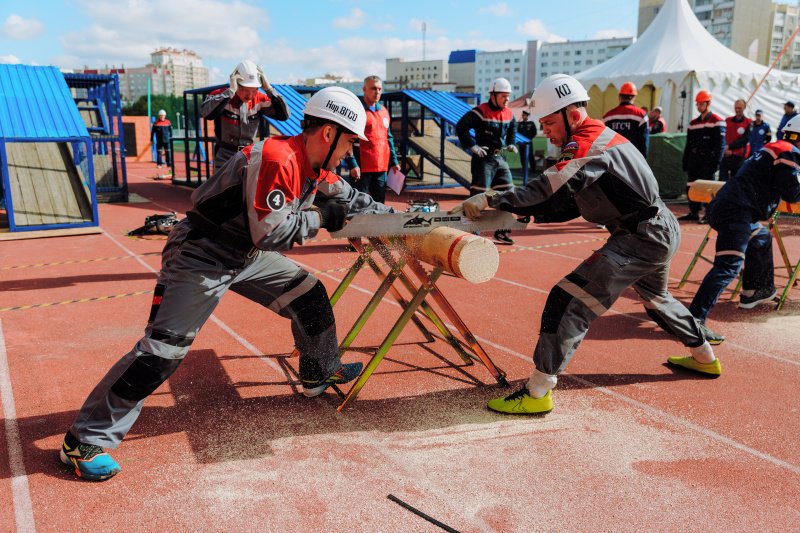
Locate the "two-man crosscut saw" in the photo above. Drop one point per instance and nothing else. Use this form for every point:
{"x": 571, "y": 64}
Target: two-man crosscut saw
{"x": 418, "y": 223}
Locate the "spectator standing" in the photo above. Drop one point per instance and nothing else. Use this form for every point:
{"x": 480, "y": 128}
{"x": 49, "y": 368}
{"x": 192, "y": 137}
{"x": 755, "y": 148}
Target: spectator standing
{"x": 762, "y": 133}
{"x": 376, "y": 155}
{"x": 256, "y": 206}
{"x": 657, "y": 122}
{"x": 602, "y": 177}
{"x": 735, "y": 212}
{"x": 527, "y": 128}
{"x": 737, "y": 135}
{"x": 628, "y": 120}
{"x": 495, "y": 130}
{"x": 162, "y": 132}
{"x": 788, "y": 114}
{"x": 237, "y": 110}
{"x": 705, "y": 145}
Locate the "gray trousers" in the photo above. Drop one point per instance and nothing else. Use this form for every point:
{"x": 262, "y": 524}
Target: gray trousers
{"x": 640, "y": 260}
{"x": 195, "y": 274}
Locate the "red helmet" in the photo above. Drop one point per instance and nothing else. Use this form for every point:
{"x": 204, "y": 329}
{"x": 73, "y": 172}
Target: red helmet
{"x": 703, "y": 96}
{"x": 629, "y": 89}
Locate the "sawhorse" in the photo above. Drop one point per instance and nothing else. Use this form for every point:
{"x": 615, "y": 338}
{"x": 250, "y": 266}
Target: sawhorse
{"x": 403, "y": 268}
{"x": 787, "y": 264}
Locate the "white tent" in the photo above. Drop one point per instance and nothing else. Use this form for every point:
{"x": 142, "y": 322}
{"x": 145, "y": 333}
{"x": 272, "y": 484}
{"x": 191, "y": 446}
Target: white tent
{"x": 679, "y": 58}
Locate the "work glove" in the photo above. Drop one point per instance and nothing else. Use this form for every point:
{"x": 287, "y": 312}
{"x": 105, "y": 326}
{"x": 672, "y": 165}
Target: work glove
{"x": 512, "y": 148}
{"x": 480, "y": 151}
{"x": 235, "y": 77}
{"x": 472, "y": 207}
{"x": 332, "y": 214}
{"x": 264, "y": 83}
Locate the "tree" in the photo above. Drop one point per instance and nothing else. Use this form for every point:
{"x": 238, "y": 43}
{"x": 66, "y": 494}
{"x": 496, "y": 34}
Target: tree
{"x": 170, "y": 104}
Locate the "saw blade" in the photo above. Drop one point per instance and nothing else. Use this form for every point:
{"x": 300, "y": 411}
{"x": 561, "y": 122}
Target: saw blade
{"x": 419, "y": 223}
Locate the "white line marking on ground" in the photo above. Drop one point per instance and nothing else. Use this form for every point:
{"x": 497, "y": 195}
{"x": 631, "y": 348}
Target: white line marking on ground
{"x": 20, "y": 491}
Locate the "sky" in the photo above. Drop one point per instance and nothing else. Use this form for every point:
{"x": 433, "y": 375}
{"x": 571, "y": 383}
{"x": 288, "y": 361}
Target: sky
{"x": 293, "y": 40}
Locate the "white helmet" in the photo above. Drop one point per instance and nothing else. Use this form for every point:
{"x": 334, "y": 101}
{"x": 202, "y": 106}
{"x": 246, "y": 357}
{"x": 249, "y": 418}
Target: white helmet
{"x": 555, "y": 93}
{"x": 338, "y": 105}
{"x": 791, "y": 131}
{"x": 249, "y": 74}
{"x": 162, "y": 113}
{"x": 500, "y": 85}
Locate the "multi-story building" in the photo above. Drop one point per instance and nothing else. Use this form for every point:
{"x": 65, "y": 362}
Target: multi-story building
{"x": 401, "y": 74}
{"x": 741, "y": 25}
{"x": 784, "y": 21}
{"x": 508, "y": 64}
{"x": 461, "y": 64}
{"x": 570, "y": 57}
{"x": 186, "y": 67}
{"x": 170, "y": 73}
{"x": 355, "y": 85}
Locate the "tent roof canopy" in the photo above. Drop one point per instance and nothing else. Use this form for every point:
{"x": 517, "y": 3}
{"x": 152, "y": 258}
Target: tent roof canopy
{"x": 673, "y": 46}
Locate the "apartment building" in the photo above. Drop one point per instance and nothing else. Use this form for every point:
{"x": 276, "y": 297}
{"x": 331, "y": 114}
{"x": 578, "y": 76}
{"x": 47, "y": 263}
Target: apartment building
{"x": 185, "y": 66}
{"x": 508, "y": 64}
{"x": 784, "y": 21}
{"x": 401, "y": 74}
{"x": 570, "y": 57}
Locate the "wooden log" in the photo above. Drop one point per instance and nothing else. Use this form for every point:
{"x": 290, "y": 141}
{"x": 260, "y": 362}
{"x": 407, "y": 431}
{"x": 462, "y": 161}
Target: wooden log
{"x": 704, "y": 191}
{"x": 462, "y": 254}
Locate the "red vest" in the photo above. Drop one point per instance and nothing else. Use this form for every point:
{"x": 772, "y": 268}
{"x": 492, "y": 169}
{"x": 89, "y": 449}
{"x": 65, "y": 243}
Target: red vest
{"x": 375, "y": 152}
{"x": 734, "y": 131}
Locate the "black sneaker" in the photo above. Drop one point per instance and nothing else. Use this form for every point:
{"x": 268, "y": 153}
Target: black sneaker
{"x": 503, "y": 237}
{"x": 691, "y": 217}
{"x": 761, "y": 296}
{"x": 711, "y": 337}
{"x": 348, "y": 372}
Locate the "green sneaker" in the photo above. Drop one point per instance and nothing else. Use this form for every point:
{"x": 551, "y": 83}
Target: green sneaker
{"x": 712, "y": 370}
{"x": 522, "y": 403}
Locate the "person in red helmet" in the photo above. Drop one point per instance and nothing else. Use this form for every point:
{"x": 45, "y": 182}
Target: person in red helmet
{"x": 237, "y": 110}
{"x": 705, "y": 146}
{"x": 628, "y": 120}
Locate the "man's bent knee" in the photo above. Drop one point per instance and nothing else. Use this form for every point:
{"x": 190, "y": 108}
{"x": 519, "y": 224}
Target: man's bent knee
{"x": 144, "y": 376}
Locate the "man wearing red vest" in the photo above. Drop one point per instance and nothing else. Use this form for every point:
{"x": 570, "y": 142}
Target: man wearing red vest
{"x": 737, "y": 134}
{"x": 376, "y": 154}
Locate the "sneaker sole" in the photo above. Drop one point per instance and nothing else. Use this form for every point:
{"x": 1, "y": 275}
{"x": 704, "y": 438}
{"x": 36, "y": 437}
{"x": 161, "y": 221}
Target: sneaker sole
{"x": 85, "y": 475}
{"x": 751, "y": 305}
{"x": 715, "y": 342}
{"x": 694, "y": 370}
{"x": 316, "y": 391}
{"x": 518, "y": 413}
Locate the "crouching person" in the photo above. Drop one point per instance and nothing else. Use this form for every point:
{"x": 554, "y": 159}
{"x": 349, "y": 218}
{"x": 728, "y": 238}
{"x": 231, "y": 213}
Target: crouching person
{"x": 258, "y": 203}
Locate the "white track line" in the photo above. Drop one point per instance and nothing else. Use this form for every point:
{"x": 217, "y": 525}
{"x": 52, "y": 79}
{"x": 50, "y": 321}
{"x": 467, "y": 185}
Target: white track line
{"x": 20, "y": 491}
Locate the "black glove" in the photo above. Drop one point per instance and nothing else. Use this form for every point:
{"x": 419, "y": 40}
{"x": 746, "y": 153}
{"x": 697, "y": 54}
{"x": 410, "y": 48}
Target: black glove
{"x": 333, "y": 214}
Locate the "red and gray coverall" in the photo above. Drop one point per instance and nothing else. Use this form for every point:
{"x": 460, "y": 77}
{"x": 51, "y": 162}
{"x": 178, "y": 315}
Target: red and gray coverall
{"x": 495, "y": 128}
{"x": 375, "y": 155}
{"x": 241, "y": 217}
{"x": 705, "y": 146}
{"x": 631, "y": 122}
{"x": 232, "y": 132}
{"x": 602, "y": 177}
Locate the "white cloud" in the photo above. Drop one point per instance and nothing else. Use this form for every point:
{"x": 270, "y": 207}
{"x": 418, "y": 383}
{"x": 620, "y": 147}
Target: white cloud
{"x": 612, "y": 34}
{"x": 19, "y": 29}
{"x": 9, "y": 60}
{"x": 500, "y": 9}
{"x": 383, "y": 27}
{"x": 536, "y": 29}
{"x": 133, "y": 31}
{"x": 353, "y": 21}
{"x": 474, "y": 34}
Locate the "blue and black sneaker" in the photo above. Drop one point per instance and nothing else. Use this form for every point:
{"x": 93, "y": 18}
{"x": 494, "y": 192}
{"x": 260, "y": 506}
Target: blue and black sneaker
{"x": 91, "y": 462}
{"x": 348, "y": 372}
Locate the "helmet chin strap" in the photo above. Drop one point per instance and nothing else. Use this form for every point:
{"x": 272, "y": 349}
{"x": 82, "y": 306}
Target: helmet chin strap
{"x": 566, "y": 122}
{"x": 333, "y": 147}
